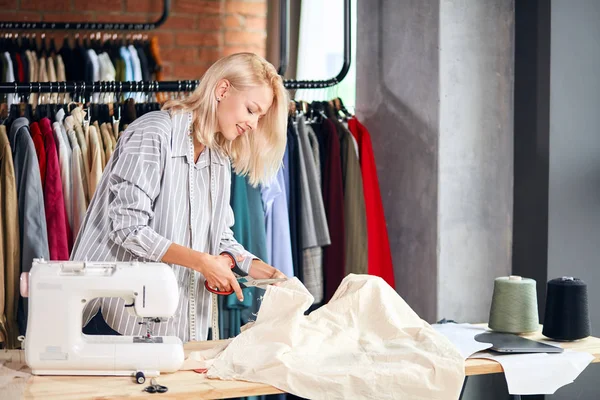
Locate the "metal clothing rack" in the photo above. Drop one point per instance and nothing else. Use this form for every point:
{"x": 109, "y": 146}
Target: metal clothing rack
{"x": 96, "y": 26}
{"x": 187, "y": 85}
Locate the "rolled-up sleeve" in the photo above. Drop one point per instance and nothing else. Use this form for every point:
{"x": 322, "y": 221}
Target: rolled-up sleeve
{"x": 134, "y": 186}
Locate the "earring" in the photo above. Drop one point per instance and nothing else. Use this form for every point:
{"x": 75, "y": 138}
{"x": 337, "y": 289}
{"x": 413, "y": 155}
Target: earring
{"x": 218, "y": 99}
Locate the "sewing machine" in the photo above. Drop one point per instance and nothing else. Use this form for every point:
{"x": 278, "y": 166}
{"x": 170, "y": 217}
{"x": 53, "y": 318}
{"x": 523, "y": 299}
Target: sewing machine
{"x": 58, "y": 292}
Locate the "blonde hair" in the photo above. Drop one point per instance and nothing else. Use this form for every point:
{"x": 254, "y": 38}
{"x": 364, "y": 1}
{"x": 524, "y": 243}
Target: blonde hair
{"x": 259, "y": 154}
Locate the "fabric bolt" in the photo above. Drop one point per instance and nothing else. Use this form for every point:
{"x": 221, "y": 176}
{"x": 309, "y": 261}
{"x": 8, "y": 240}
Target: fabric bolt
{"x": 38, "y": 142}
{"x": 57, "y": 224}
{"x": 33, "y": 237}
{"x": 380, "y": 255}
{"x": 350, "y": 348}
{"x": 143, "y": 204}
{"x": 10, "y": 251}
{"x": 333, "y": 200}
{"x": 277, "y": 224}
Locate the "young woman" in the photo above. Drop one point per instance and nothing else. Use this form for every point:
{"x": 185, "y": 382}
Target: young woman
{"x": 164, "y": 194}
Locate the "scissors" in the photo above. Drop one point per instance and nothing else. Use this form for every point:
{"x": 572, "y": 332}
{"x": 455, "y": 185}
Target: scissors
{"x": 155, "y": 387}
{"x": 244, "y": 280}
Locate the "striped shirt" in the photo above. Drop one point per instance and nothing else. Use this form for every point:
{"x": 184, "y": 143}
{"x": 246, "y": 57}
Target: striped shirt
{"x": 144, "y": 202}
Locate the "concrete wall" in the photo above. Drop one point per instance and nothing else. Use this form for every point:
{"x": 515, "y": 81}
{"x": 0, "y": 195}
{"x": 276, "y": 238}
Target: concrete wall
{"x": 397, "y": 99}
{"x": 434, "y": 86}
{"x": 475, "y": 178}
{"x": 574, "y": 168}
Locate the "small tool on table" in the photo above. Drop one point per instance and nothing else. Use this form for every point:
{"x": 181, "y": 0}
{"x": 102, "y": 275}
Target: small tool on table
{"x": 155, "y": 387}
{"x": 244, "y": 280}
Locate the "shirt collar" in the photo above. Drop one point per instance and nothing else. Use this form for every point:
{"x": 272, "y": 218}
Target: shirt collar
{"x": 180, "y": 142}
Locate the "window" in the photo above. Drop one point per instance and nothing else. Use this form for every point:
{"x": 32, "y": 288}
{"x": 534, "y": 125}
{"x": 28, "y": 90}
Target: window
{"x": 321, "y": 50}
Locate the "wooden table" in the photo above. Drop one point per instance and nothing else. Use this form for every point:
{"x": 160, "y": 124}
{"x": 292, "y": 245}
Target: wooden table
{"x": 188, "y": 384}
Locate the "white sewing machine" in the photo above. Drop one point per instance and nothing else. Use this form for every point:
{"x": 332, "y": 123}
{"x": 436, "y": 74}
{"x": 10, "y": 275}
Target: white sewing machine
{"x": 58, "y": 292}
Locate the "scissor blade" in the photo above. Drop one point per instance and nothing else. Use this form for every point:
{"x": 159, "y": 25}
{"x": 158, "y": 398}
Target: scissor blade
{"x": 260, "y": 282}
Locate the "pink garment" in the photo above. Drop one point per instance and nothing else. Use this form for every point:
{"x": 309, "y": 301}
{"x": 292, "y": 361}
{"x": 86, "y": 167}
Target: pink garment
{"x": 56, "y": 219}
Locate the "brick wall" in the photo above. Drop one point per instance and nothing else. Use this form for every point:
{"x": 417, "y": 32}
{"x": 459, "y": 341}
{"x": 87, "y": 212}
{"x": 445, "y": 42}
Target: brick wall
{"x": 196, "y": 34}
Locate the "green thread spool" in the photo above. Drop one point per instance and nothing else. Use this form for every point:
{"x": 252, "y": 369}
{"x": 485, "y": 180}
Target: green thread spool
{"x": 514, "y": 305}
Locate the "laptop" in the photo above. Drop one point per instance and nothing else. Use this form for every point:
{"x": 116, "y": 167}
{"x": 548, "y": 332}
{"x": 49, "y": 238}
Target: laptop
{"x": 510, "y": 343}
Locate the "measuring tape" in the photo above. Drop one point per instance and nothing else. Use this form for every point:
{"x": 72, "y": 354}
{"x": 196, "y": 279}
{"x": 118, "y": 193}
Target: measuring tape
{"x": 215, "y": 317}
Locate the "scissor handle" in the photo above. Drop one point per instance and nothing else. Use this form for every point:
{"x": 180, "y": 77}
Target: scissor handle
{"x": 234, "y": 268}
{"x": 217, "y": 291}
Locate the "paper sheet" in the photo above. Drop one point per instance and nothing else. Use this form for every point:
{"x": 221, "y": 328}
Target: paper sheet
{"x": 540, "y": 373}
{"x": 463, "y": 337}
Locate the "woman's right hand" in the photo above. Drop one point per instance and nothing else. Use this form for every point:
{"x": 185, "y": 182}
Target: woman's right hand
{"x": 217, "y": 272}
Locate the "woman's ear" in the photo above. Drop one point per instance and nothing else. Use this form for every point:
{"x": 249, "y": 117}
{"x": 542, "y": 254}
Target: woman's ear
{"x": 222, "y": 88}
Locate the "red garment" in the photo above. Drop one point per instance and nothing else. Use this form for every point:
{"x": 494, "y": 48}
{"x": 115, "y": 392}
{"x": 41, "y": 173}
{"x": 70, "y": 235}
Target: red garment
{"x": 334, "y": 259}
{"x": 38, "y": 142}
{"x": 54, "y": 203}
{"x": 380, "y": 255}
{"x": 18, "y": 69}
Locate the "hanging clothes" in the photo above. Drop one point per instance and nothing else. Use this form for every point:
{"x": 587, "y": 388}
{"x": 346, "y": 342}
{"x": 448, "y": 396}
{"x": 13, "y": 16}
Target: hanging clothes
{"x": 355, "y": 215}
{"x": 9, "y": 244}
{"x": 294, "y": 200}
{"x": 79, "y": 204}
{"x": 32, "y": 218}
{"x": 38, "y": 142}
{"x": 277, "y": 224}
{"x": 249, "y": 230}
{"x": 314, "y": 230}
{"x": 334, "y": 255}
{"x": 380, "y": 256}
{"x": 57, "y": 223}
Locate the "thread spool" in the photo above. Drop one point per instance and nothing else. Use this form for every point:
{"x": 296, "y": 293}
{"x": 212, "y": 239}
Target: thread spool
{"x": 567, "y": 315}
{"x": 514, "y": 305}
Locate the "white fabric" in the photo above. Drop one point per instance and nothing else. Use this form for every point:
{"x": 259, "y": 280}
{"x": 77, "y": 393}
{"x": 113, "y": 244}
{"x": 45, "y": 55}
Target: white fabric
{"x": 366, "y": 343}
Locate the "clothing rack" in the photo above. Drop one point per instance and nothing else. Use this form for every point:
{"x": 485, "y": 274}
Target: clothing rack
{"x": 187, "y": 85}
{"x": 96, "y": 26}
